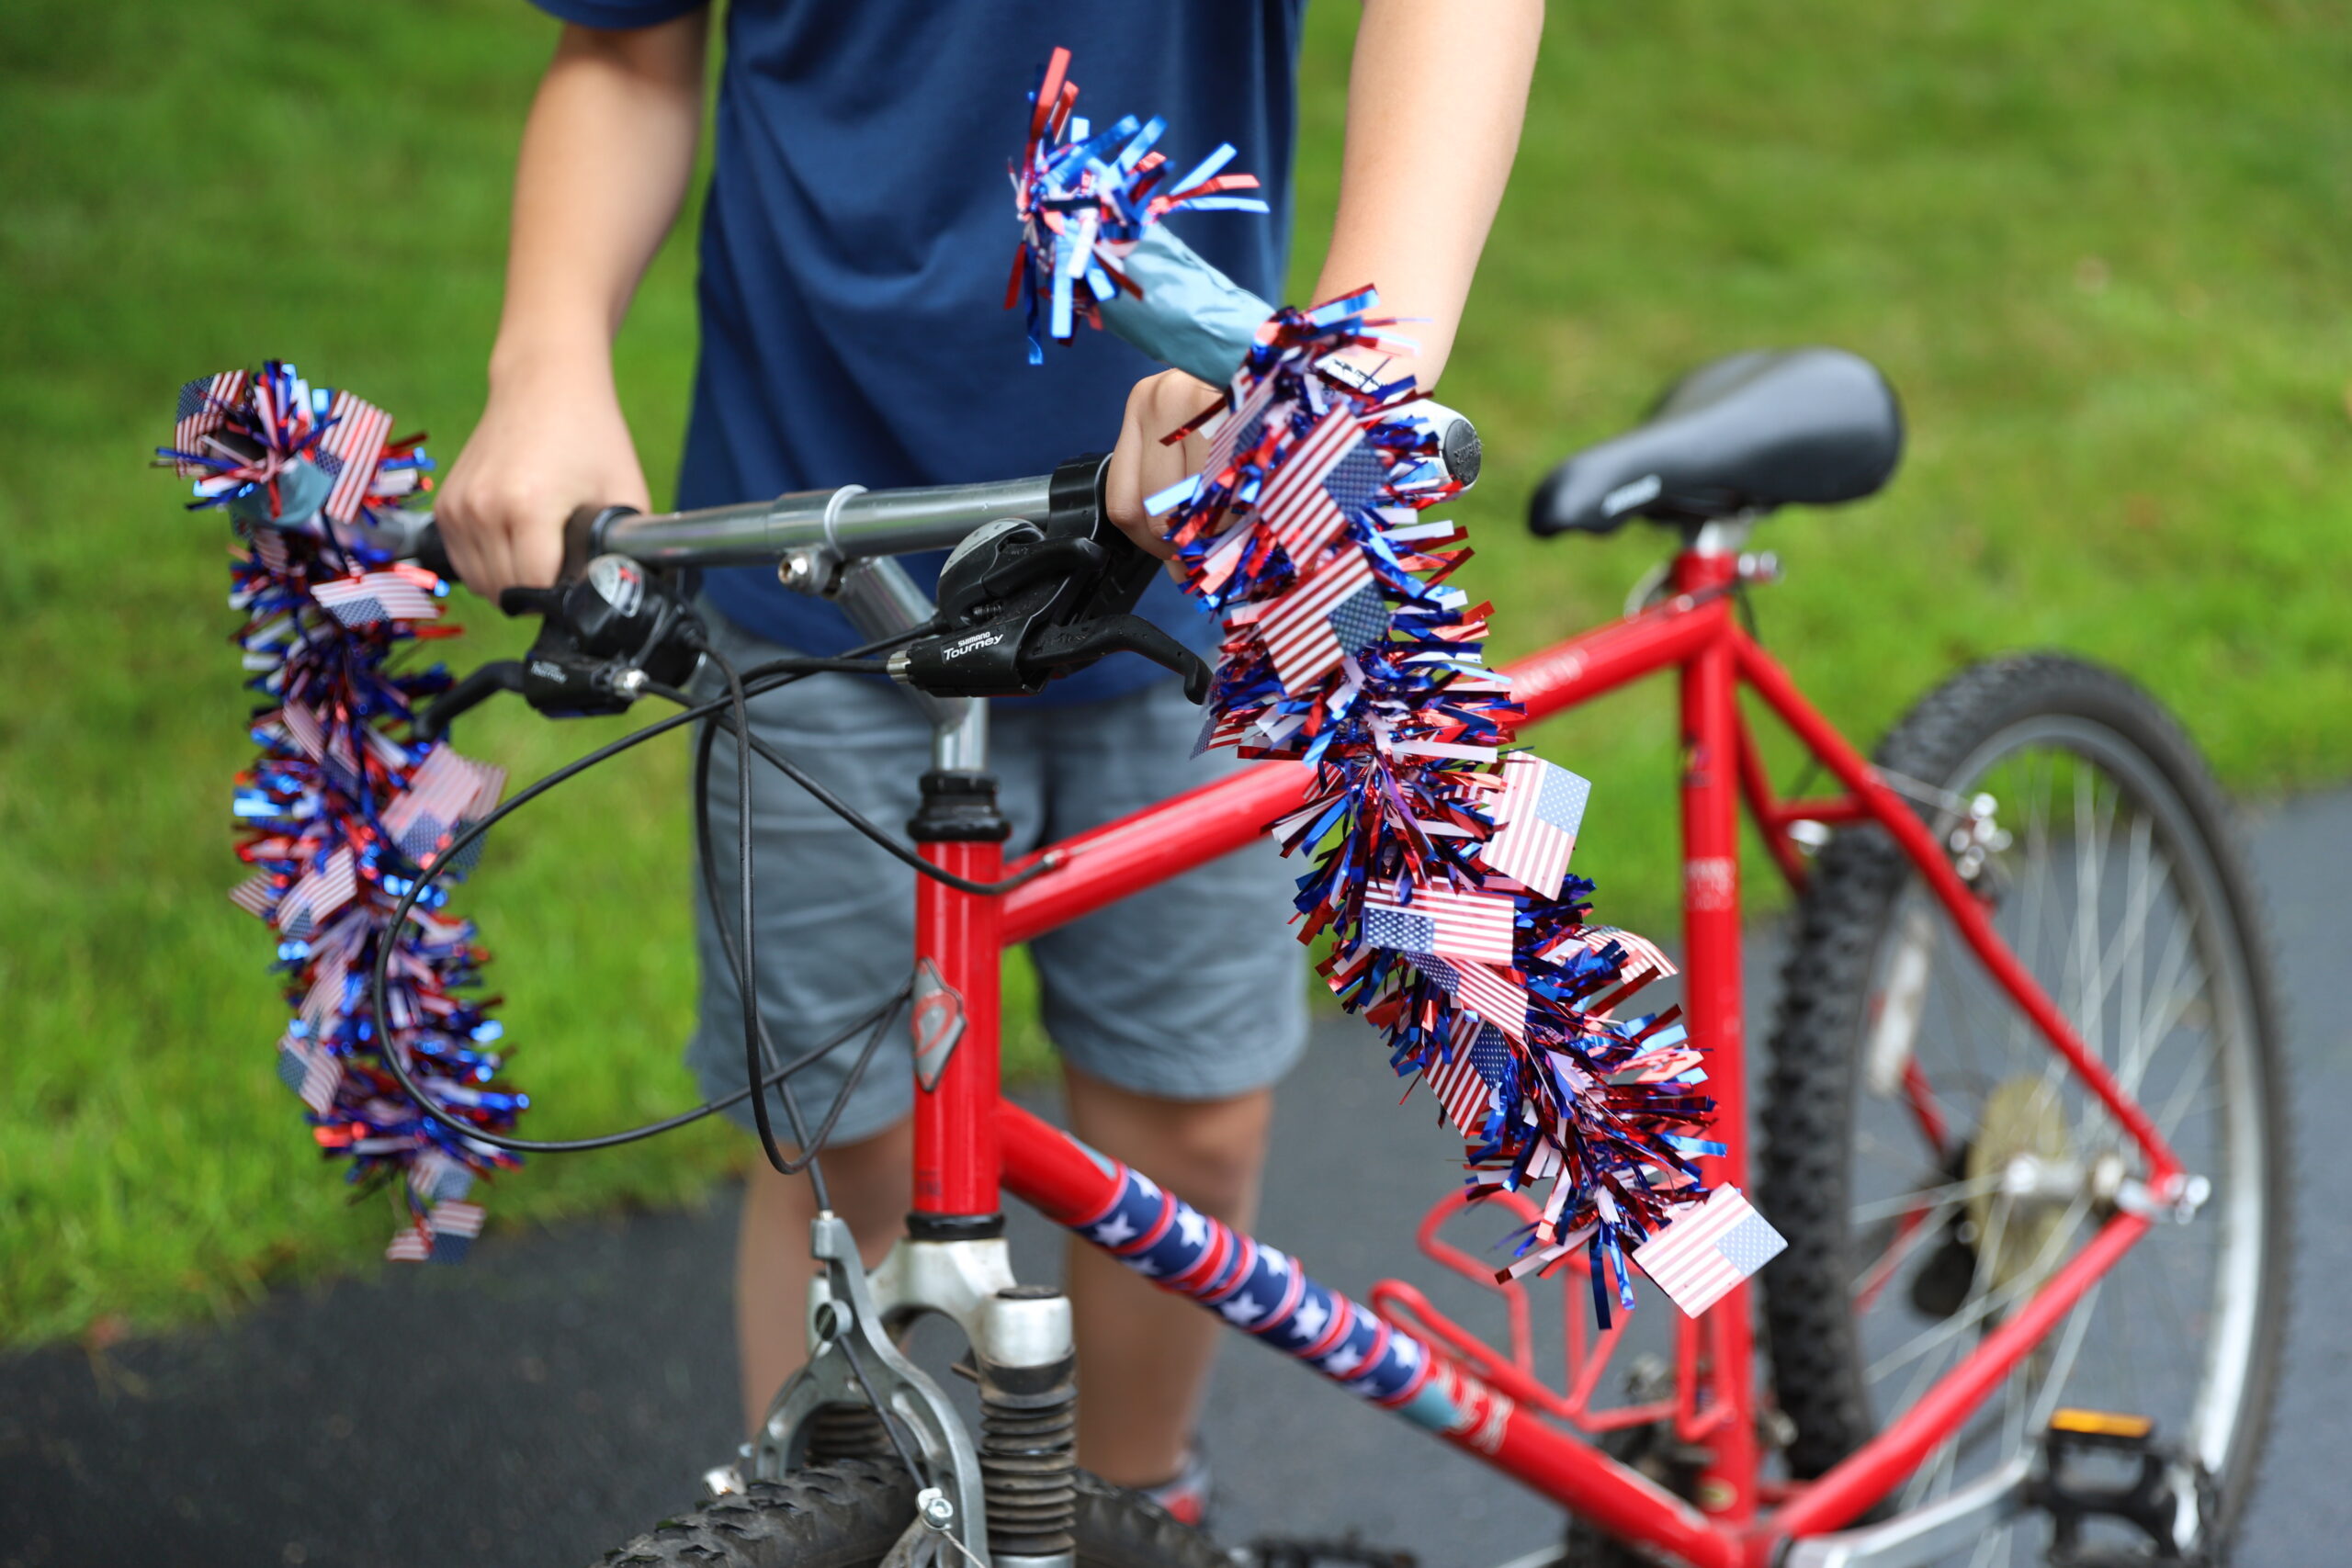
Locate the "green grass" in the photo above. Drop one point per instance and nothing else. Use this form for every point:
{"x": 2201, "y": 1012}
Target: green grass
{"x": 2105, "y": 250}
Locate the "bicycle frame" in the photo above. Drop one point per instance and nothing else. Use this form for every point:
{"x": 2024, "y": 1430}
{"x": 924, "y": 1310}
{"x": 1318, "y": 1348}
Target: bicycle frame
{"x": 969, "y": 1143}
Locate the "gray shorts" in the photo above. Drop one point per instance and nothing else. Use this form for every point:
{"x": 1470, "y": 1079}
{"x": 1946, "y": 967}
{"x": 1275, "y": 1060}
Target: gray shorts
{"x": 1191, "y": 989}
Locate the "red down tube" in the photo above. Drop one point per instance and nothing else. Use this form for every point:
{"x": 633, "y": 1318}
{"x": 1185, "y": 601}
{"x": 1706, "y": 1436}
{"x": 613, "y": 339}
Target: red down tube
{"x": 1269, "y": 1295}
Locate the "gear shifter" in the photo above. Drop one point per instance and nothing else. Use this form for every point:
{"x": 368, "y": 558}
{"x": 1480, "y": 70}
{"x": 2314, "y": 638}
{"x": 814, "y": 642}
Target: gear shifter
{"x": 1020, "y": 604}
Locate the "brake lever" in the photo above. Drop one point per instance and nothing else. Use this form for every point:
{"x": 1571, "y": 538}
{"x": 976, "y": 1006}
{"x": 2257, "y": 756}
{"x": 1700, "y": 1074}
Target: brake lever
{"x": 470, "y": 692}
{"x": 1080, "y": 645}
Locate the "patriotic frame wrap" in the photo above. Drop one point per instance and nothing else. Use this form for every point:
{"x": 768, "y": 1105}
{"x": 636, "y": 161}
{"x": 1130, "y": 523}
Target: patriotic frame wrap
{"x": 1441, "y": 856}
{"x": 342, "y": 810}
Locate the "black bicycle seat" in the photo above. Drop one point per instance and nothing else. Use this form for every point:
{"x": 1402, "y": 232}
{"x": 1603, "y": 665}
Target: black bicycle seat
{"x": 1746, "y": 432}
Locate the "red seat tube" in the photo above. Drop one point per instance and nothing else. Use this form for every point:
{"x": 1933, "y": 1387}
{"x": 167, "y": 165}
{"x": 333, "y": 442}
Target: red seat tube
{"x": 958, "y": 954}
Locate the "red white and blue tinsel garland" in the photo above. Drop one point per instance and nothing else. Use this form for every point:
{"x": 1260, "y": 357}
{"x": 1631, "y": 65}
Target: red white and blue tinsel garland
{"x": 343, "y": 810}
{"x": 1086, "y": 199}
{"x": 1440, "y": 854}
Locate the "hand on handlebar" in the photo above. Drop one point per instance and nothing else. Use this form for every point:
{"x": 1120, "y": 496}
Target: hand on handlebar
{"x": 1141, "y": 466}
{"x": 546, "y": 444}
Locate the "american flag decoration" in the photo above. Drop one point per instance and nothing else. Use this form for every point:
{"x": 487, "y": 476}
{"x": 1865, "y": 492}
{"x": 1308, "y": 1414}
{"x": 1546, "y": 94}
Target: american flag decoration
{"x": 398, "y": 593}
{"x": 1535, "y": 824}
{"x": 341, "y": 800}
{"x": 1300, "y": 501}
{"x": 1336, "y": 612}
{"x": 348, "y": 452}
{"x": 204, "y": 407}
{"x": 1440, "y": 855}
{"x": 1707, "y": 1249}
{"x": 1466, "y": 1085}
{"x": 444, "y": 794}
{"x": 1442, "y": 922}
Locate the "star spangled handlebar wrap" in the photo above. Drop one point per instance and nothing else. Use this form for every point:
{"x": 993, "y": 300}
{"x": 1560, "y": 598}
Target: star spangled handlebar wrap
{"x": 1439, "y": 854}
{"x": 341, "y": 809}
{"x": 1088, "y": 200}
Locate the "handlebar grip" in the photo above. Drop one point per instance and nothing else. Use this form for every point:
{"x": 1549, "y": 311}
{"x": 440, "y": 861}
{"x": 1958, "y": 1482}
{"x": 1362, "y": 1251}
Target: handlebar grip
{"x": 431, "y": 554}
{"x": 1457, "y": 439}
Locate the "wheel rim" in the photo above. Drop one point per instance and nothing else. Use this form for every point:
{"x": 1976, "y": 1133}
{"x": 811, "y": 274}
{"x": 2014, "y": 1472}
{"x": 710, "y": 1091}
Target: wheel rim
{"x": 2108, "y": 892}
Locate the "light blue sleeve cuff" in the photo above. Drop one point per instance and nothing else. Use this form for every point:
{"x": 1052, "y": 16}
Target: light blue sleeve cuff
{"x": 1191, "y": 316}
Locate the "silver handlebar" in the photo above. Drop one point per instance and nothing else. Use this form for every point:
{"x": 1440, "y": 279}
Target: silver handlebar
{"x": 852, "y": 523}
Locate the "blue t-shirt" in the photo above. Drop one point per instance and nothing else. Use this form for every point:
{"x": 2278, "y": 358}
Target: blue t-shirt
{"x": 859, "y": 233}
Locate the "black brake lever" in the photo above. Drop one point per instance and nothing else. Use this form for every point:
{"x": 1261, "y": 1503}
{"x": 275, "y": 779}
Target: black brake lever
{"x": 470, "y": 692}
{"x": 1058, "y": 647}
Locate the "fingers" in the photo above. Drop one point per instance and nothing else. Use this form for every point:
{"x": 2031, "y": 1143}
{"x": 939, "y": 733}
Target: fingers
{"x": 1141, "y": 466}
{"x": 1123, "y": 485}
{"x": 527, "y": 468}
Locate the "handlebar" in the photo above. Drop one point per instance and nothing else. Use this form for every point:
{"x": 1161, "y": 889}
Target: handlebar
{"x": 1039, "y": 584}
{"x": 850, "y": 523}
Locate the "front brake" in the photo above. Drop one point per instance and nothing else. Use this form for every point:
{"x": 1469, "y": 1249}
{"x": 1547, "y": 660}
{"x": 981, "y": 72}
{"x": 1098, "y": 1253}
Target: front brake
{"x": 604, "y": 637}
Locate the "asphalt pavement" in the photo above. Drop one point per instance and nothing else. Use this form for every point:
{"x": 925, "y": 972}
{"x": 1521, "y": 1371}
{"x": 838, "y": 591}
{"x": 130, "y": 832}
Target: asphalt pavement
{"x": 563, "y": 1389}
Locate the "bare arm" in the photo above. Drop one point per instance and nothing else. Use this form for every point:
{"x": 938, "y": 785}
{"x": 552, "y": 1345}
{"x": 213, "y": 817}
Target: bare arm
{"x": 608, "y": 154}
{"x": 1436, "y": 93}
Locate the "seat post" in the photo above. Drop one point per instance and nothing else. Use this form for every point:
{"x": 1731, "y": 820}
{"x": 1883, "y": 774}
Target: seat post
{"x": 1725, "y": 537}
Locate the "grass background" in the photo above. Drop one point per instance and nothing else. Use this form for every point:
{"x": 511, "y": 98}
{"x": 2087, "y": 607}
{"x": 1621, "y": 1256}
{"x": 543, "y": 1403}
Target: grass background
{"x": 2104, "y": 249}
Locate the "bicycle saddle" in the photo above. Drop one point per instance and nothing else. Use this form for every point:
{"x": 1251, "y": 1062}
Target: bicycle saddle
{"x": 1746, "y": 432}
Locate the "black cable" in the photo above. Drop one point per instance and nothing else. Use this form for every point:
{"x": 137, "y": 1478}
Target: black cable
{"x": 760, "y": 679}
{"x": 865, "y": 825}
{"x": 744, "y": 978}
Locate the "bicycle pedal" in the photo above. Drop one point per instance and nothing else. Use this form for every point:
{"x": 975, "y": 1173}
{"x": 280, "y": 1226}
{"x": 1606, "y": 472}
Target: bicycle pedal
{"x": 2107, "y": 1466}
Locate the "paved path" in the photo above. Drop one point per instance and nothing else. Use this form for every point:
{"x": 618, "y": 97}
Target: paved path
{"x": 562, "y": 1390}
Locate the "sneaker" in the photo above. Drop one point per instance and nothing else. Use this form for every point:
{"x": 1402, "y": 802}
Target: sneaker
{"x": 1185, "y": 1495}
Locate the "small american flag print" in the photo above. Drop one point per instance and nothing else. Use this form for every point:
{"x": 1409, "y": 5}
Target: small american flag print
{"x": 204, "y": 408}
{"x": 1338, "y": 610}
{"x": 1330, "y": 469}
{"x": 1446, "y": 922}
{"x": 1542, "y": 807}
{"x": 1498, "y": 999}
{"x": 1467, "y": 1085}
{"x": 1703, "y": 1252}
{"x": 376, "y": 596}
{"x": 349, "y": 451}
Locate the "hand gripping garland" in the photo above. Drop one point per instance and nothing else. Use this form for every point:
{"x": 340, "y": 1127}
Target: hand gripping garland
{"x": 1440, "y": 855}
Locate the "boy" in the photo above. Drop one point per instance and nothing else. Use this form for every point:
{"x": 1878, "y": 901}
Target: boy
{"x": 854, "y": 252}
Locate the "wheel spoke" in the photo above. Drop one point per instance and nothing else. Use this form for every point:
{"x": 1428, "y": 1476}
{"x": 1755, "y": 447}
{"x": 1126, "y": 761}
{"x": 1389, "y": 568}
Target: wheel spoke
{"x": 1927, "y": 1197}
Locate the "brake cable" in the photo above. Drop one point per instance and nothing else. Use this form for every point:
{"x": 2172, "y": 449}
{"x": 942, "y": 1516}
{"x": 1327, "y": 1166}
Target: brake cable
{"x": 760, "y": 679}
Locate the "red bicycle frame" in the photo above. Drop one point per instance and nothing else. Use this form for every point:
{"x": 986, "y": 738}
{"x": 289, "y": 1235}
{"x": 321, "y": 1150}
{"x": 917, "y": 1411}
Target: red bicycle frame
{"x": 968, "y": 1140}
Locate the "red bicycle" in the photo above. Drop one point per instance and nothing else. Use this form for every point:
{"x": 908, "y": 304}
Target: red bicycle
{"x": 2021, "y": 1126}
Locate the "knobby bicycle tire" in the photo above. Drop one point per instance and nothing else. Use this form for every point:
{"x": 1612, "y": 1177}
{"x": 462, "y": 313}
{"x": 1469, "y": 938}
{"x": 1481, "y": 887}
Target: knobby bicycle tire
{"x": 1807, "y": 1113}
{"x": 850, "y": 1513}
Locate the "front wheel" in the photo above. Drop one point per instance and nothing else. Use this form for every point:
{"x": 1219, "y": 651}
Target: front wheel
{"x": 849, "y": 1514}
{"x": 1933, "y": 1161}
